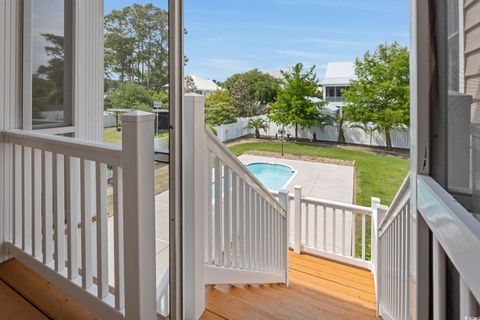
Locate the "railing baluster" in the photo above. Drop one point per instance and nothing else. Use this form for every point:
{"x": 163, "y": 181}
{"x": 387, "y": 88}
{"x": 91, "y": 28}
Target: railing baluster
{"x": 334, "y": 230}
{"x": 354, "y": 234}
{"x": 343, "y": 233}
{"x": 226, "y": 216}
{"x": 118, "y": 238}
{"x": 234, "y": 220}
{"x": 257, "y": 232}
{"x": 71, "y": 208}
{"x": 315, "y": 226}
{"x": 59, "y": 211}
{"x": 47, "y": 207}
{"x": 27, "y": 199}
{"x": 36, "y": 205}
{"x": 208, "y": 207}
{"x": 324, "y": 229}
{"x": 242, "y": 221}
{"x": 218, "y": 211}
{"x": 307, "y": 226}
{"x": 15, "y": 194}
{"x": 86, "y": 221}
{"x": 363, "y": 237}
{"x": 248, "y": 227}
{"x": 102, "y": 229}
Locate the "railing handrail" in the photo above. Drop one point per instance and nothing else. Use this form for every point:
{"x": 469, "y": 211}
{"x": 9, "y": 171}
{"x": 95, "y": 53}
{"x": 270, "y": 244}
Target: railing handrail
{"x": 95, "y": 151}
{"x": 237, "y": 166}
{"x": 402, "y": 195}
{"x": 338, "y": 205}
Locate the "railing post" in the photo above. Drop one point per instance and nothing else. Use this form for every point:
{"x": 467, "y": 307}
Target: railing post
{"x": 283, "y": 197}
{"x": 375, "y": 202}
{"x": 297, "y": 239}
{"x": 139, "y": 215}
{"x": 193, "y": 206}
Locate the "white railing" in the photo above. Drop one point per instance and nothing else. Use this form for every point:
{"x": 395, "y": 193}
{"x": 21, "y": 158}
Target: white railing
{"x": 59, "y": 221}
{"x": 245, "y": 226}
{"x": 163, "y": 295}
{"x": 391, "y": 255}
{"x": 329, "y": 229}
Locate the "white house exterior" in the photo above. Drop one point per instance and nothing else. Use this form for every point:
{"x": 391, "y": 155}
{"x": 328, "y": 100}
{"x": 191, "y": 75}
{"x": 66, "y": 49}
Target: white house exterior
{"x": 205, "y": 87}
{"x": 337, "y": 78}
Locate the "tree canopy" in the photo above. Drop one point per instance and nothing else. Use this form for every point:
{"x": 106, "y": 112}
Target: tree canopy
{"x": 298, "y": 99}
{"x": 381, "y": 93}
{"x": 219, "y": 109}
{"x": 136, "y": 45}
{"x": 251, "y": 91}
{"x": 129, "y": 95}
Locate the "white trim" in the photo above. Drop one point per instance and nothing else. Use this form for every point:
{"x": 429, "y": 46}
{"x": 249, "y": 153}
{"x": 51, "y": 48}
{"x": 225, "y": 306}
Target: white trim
{"x": 457, "y": 231}
{"x": 103, "y": 308}
{"x": 27, "y": 65}
{"x": 221, "y": 275}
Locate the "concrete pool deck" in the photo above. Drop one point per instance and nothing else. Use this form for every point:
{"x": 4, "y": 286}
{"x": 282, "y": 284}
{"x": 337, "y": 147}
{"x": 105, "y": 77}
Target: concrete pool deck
{"x": 318, "y": 180}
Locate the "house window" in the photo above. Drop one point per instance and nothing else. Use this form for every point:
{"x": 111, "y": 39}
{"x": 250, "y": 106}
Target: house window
{"x": 48, "y": 102}
{"x": 330, "y": 92}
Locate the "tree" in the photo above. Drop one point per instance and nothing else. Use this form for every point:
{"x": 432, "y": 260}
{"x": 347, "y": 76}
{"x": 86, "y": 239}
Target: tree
{"x": 257, "y": 124}
{"x": 336, "y": 120}
{"x": 129, "y": 95}
{"x": 381, "y": 95}
{"x": 298, "y": 102}
{"x": 136, "y": 45}
{"x": 190, "y": 85}
{"x": 251, "y": 91}
{"x": 220, "y": 113}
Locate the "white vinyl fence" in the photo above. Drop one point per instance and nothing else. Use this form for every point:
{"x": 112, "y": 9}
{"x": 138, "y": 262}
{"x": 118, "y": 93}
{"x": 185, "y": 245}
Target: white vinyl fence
{"x": 109, "y": 120}
{"x": 400, "y": 136}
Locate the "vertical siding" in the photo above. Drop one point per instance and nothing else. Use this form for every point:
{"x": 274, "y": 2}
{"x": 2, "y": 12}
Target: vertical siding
{"x": 88, "y": 69}
{"x": 10, "y": 98}
{"x": 472, "y": 55}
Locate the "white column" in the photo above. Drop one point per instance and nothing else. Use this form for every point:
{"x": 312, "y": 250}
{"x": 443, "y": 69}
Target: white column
{"x": 439, "y": 280}
{"x": 193, "y": 206}
{"x": 139, "y": 215}
{"x": 297, "y": 238}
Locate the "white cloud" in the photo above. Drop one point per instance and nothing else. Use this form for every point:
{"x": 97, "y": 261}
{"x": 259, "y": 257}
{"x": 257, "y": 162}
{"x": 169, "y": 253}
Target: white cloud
{"x": 331, "y": 43}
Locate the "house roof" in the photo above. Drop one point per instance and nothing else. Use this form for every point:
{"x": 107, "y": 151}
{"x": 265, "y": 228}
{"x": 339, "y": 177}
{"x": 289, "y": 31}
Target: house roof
{"x": 203, "y": 84}
{"x": 339, "y": 73}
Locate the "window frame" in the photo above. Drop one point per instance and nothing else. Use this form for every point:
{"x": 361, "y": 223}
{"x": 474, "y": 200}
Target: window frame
{"x": 68, "y": 125}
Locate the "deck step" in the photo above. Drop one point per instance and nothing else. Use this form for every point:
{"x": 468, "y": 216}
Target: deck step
{"x": 40, "y": 295}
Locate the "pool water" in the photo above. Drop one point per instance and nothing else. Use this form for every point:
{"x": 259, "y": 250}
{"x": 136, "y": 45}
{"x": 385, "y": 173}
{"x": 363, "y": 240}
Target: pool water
{"x": 273, "y": 176}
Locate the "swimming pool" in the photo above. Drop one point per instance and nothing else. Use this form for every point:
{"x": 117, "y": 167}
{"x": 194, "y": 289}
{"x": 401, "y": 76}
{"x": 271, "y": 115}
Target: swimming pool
{"x": 274, "y": 176}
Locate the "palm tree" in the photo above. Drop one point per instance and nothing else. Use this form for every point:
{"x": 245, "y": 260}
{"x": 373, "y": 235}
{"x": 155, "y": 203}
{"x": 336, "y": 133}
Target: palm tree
{"x": 257, "y": 124}
{"x": 336, "y": 120}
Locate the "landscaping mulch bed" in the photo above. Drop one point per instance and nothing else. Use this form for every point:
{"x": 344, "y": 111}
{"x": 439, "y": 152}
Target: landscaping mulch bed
{"x": 348, "y": 163}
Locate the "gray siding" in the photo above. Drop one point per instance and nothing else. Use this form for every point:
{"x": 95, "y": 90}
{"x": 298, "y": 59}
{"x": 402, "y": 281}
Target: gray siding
{"x": 10, "y": 97}
{"x": 472, "y": 55}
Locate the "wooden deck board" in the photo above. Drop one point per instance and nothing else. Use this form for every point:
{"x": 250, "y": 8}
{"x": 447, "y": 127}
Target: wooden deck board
{"x": 319, "y": 289}
{"x": 14, "y": 307}
{"x": 42, "y": 295}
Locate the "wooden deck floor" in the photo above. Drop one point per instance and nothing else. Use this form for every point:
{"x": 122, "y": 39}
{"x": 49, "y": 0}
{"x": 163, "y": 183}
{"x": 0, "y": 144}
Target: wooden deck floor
{"x": 25, "y": 295}
{"x": 318, "y": 289}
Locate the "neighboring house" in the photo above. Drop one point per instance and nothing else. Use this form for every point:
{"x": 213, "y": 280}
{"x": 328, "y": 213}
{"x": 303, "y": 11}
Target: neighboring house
{"x": 337, "y": 78}
{"x": 73, "y": 247}
{"x": 205, "y": 87}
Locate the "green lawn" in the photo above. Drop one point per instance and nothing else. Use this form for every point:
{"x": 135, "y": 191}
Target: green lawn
{"x": 110, "y": 135}
{"x": 375, "y": 175}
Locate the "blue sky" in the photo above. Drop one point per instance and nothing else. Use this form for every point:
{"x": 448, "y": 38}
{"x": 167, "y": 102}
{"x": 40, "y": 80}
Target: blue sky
{"x": 226, "y": 37}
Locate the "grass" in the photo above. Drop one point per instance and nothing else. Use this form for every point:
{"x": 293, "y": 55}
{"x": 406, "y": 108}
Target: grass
{"x": 375, "y": 175}
{"x": 111, "y": 135}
